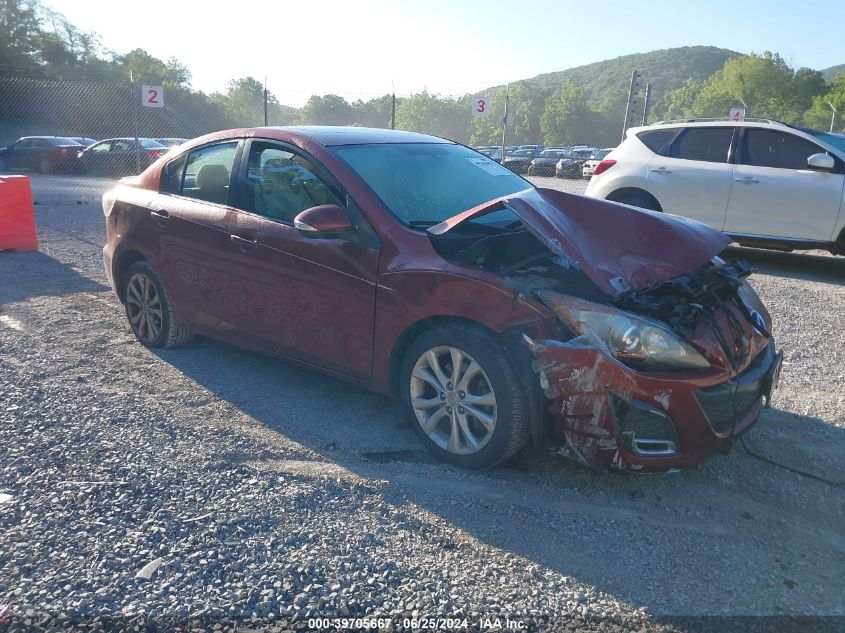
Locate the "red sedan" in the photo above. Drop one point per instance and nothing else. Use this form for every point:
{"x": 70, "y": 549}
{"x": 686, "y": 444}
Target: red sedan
{"x": 499, "y": 313}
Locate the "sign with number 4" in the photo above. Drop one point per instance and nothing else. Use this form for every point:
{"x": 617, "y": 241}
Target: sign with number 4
{"x": 152, "y": 96}
{"x": 480, "y": 105}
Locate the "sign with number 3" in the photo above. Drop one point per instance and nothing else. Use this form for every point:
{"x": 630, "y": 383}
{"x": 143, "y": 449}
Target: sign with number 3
{"x": 152, "y": 96}
{"x": 480, "y": 105}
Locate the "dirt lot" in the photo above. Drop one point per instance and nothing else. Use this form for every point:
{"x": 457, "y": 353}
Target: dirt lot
{"x": 266, "y": 490}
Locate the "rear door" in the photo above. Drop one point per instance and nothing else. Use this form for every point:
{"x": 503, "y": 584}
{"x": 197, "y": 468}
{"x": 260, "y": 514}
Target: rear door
{"x": 692, "y": 177}
{"x": 775, "y": 194}
{"x": 310, "y": 298}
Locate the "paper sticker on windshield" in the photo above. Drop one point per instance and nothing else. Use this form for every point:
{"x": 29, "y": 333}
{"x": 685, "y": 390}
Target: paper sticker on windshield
{"x": 491, "y": 167}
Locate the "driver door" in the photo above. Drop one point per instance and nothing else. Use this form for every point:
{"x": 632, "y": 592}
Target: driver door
{"x": 311, "y": 298}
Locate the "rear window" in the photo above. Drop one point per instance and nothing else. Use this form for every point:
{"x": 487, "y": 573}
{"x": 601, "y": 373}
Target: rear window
{"x": 148, "y": 143}
{"x": 656, "y": 140}
{"x": 709, "y": 144}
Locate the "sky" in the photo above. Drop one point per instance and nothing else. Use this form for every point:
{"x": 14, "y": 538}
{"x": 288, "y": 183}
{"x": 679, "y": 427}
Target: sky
{"x": 363, "y": 48}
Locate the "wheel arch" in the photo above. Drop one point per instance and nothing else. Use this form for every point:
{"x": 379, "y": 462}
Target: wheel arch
{"x": 623, "y": 193}
{"x": 414, "y": 330}
{"x": 121, "y": 266}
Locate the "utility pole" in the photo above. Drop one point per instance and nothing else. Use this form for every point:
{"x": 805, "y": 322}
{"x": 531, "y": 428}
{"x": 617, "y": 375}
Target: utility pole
{"x": 832, "y": 116}
{"x": 630, "y": 105}
{"x": 393, "y": 108}
{"x": 505, "y": 118}
{"x": 135, "y": 122}
{"x": 265, "y": 100}
{"x": 646, "y": 103}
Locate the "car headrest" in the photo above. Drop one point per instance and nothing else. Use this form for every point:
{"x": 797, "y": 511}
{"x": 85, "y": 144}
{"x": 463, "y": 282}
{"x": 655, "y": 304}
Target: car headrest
{"x": 212, "y": 177}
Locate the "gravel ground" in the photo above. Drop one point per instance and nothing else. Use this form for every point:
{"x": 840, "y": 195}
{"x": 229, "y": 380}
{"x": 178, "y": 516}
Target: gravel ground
{"x": 207, "y": 485}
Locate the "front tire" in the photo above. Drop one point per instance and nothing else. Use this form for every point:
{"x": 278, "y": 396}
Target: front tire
{"x": 148, "y": 309}
{"x": 464, "y": 396}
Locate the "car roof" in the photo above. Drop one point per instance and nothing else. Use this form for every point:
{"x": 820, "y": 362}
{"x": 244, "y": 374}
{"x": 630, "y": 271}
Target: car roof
{"x": 331, "y": 135}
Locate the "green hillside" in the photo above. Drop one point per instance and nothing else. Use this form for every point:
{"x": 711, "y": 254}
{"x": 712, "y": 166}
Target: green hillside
{"x": 830, "y": 73}
{"x": 665, "y": 70}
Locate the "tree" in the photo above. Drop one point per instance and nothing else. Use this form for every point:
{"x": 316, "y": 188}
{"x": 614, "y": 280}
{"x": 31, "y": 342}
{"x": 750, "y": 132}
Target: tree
{"x": 680, "y": 103}
{"x": 19, "y": 32}
{"x": 819, "y": 115}
{"x": 326, "y": 110}
{"x": 566, "y": 117}
{"x": 151, "y": 70}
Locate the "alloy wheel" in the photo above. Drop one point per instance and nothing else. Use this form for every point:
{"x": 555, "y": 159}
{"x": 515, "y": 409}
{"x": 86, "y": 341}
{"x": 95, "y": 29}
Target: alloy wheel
{"x": 453, "y": 400}
{"x": 143, "y": 305}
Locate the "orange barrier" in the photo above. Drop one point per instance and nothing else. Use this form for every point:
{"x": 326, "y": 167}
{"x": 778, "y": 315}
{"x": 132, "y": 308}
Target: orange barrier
{"x": 17, "y": 216}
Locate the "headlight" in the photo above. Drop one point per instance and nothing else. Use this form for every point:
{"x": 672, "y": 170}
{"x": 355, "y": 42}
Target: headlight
{"x": 632, "y": 339}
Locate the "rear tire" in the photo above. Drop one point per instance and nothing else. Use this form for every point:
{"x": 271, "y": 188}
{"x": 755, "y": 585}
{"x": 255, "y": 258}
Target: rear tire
{"x": 148, "y": 309}
{"x": 480, "y": 416}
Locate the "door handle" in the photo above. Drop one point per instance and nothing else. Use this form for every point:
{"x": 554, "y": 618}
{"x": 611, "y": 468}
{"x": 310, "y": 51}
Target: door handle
{"x": 246, "y": 245}
{"x": 661, "y": 170}
{"x": 162, "y": 218}
{"x": 747, "y": 180}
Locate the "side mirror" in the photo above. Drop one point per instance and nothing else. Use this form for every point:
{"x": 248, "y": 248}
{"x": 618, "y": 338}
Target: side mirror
{"x": 323, "y": 221}
{"x": 821, "y": 161}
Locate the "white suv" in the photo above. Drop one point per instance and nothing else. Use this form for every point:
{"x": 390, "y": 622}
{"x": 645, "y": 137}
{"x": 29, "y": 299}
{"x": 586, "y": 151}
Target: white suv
{"x": 762, "y": 182}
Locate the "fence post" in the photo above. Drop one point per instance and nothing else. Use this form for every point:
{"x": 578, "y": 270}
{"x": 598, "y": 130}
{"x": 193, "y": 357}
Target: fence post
{"x": 134, "y": 98}
{"x": 393, "y": 109}
{"x": 646, "y": 103}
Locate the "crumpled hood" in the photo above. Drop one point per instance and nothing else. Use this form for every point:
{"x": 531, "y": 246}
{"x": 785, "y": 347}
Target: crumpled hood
{"x": 618, "y": 247}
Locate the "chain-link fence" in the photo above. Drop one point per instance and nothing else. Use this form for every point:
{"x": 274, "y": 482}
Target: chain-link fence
{"x": 87, "y": 106}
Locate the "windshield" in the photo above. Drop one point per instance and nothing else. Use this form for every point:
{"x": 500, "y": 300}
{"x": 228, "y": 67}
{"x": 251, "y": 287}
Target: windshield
{"x": 601, "y": 154}
{"x": 581, "y": 153}
{"x": 836, "y": 141}
{"x": 426, "y": 183}
{"x": 554, "y": 153}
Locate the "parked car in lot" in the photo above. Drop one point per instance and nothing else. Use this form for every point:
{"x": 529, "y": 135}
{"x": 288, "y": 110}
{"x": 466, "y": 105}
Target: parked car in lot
{"x": 46, "y": 154}
{"x": 84, "y": 140}
{"x": 170, "y": 141}
{"x": 415, "y": 266}
{"x": 762, "y": 182}
{"x": 544, "y": 163}
{"x": 592, "y": 162}
{"x": 519, "y": 160}
{"x": 570, "y": 165}
{"x": 117, "y": 156}
{"x": 494, "y": 153}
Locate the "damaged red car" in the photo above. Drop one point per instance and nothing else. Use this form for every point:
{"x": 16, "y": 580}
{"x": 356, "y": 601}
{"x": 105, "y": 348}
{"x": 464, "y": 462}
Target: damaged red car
{"x": 498, "y": 312}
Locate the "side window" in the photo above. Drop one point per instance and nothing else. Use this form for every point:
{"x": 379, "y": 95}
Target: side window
{"x": 766, "y": 148}
{"x": 280, "y": 184}
{"x": 655, "y": 140}
{"x": 122, "y": 146}
{"x": 171, "y": 175}
{"x": 101, "y": 147}
{"x": 710, "y": 144}
{"x": 207, "y": 172}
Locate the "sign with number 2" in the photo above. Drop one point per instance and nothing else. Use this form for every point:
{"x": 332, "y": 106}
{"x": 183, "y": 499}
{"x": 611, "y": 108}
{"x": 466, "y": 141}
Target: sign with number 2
{"x": 152, "y": 96}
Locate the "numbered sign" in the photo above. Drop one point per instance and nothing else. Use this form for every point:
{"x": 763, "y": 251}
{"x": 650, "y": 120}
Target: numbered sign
{"x": 738, "y": 114}
{"x": 480, "y": 105}
{"x": 152, "y": 96}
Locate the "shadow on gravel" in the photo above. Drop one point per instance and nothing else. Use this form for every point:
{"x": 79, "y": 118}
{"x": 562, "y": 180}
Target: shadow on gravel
{"x": 624, "y": 535}
{"x": 35, "y": 274}
{"x": 810, "y": 267}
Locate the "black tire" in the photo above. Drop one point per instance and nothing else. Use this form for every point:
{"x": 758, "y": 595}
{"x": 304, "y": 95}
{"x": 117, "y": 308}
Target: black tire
{"x": 164, "y": 330}
{"x": 512, "y": 423}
